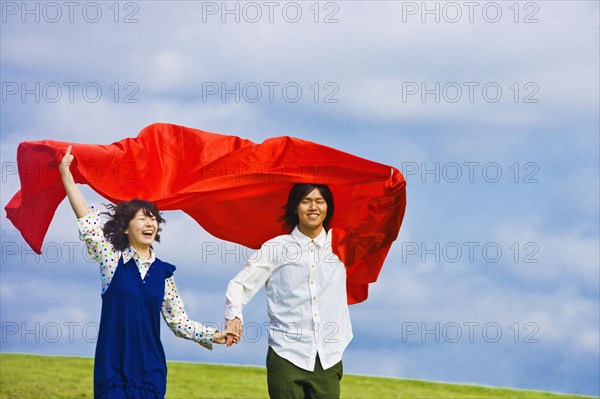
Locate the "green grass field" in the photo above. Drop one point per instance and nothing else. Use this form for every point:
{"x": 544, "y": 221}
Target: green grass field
{"x": 48, "y": 377}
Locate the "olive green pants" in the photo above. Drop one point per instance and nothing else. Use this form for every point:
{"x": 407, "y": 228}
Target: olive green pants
{"x": 288, "y": 381}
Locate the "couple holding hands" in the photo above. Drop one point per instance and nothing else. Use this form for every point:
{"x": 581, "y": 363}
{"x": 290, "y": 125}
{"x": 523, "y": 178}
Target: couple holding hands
{"x": 305, "y": 284}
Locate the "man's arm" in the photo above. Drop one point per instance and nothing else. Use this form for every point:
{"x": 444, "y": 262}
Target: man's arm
{"x": 246, "y": 284}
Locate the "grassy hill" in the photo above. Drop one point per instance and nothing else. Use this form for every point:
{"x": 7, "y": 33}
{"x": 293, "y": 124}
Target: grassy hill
{"x": 32, "y": 377}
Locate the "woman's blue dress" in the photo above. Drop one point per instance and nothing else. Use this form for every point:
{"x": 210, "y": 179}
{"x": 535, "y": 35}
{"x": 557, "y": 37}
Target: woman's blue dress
{"x": 130, "y": 360}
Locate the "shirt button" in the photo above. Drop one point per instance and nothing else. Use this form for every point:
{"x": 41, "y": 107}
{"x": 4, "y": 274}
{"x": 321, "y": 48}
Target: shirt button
{"x": 316, "y": 315}
{"x": 314, "y": 298}
{"x": 312, "y": 282}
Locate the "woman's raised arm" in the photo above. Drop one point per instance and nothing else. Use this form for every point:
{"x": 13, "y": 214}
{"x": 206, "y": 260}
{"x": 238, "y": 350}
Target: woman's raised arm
{"x": 77, "y": 201}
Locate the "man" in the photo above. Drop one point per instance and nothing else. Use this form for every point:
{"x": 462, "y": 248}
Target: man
{"x": 305, "y": 283}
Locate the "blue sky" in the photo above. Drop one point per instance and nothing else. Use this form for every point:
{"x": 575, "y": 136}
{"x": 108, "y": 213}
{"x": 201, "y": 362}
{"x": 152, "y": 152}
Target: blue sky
{"x": 490, "y": 110}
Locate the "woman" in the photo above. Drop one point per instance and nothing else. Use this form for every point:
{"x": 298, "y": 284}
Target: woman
{"x": 136, "y": 287}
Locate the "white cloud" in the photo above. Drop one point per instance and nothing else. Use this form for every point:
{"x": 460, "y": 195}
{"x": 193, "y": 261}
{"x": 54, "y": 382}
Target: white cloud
{"x": 567, "y": 257}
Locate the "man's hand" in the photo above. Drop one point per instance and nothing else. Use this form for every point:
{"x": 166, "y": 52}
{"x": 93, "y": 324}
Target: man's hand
{"x": 221, "y": 337}
{"x": 234, "y": 325}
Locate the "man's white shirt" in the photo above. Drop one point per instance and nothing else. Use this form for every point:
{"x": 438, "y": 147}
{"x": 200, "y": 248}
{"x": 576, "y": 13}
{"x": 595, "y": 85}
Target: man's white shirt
{"x": 305, "y": 283}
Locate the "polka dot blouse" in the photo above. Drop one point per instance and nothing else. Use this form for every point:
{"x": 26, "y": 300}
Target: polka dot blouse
{"x": 173, "y": 312}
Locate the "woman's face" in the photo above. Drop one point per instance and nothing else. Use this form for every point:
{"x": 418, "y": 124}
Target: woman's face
{"x": 142, "y": 230}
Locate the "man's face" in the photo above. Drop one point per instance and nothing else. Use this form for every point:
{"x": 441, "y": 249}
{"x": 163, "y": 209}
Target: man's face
{"x": 312, "y": 211}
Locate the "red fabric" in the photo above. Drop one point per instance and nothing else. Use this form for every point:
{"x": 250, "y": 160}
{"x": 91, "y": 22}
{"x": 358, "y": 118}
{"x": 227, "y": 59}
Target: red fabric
{"x": 233, "y": 188}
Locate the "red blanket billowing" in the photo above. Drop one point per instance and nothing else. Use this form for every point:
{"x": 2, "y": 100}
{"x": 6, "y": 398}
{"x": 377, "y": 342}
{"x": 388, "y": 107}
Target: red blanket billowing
{"x": 233, "y": 188}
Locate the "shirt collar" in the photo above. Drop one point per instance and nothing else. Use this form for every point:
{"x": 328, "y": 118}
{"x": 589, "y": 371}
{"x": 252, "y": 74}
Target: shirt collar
{"x": 132, "y": 253}
{"x": 303, "y": 240}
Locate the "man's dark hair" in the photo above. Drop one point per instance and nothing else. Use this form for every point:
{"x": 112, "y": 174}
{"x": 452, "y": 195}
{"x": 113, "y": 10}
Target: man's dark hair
{"x": 121, "y": 215}
{"x": 297, "y": 194}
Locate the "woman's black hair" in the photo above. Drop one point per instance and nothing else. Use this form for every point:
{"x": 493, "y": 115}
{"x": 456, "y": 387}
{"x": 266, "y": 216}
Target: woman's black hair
{"x": 296, "y": 195}
{"x": 120, "y": 216}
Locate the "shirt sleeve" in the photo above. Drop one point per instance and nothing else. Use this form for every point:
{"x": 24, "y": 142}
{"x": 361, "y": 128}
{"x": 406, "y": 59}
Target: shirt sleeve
{"x": 250, "y": 279}
{"x": 100, "y": 250}
{"x": 176, "y": 318}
